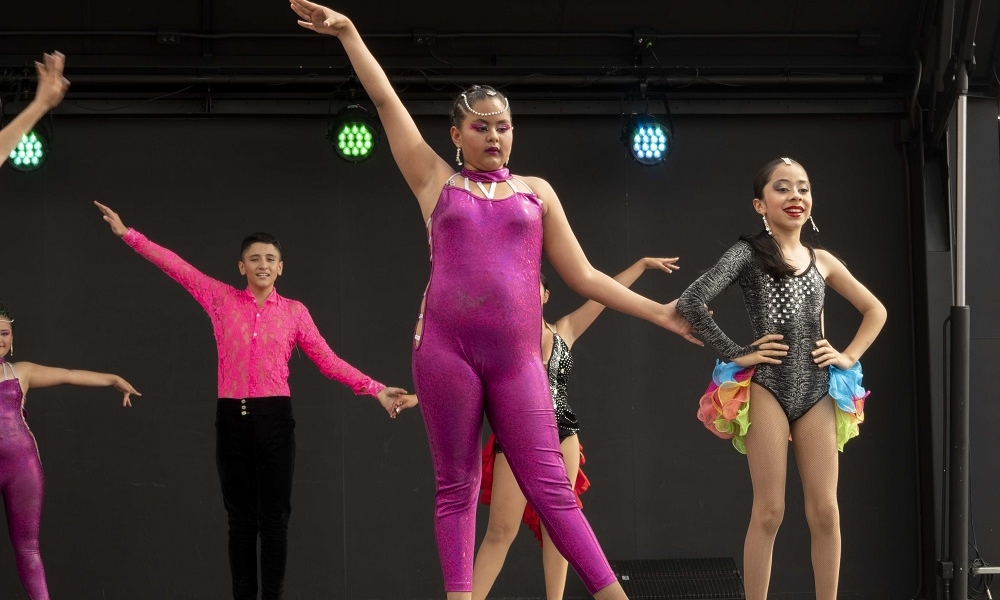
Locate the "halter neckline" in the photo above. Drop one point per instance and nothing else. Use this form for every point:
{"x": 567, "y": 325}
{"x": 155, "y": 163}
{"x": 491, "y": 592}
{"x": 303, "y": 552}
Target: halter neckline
{"x": 501, "y": 174}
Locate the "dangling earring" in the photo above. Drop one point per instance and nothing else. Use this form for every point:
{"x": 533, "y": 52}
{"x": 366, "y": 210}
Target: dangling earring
{"x": 12, "y": 350}
{"x": 767, "y": 227}
{"x": 458, "y": 156}
{"x": 506, "y": 161}
{"x": 816, "y": 229}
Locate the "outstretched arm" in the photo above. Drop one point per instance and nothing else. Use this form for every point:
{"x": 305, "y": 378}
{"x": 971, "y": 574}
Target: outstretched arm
{"x": 574, "y": 324}
{"x": 40, "y": 376}
{"x": 51, "y": 88}
{"x": 204, "y": 288}
{"x": 564, "y": 252}
{"x": 425, "y": 172}
{"x": 873, "y": 314}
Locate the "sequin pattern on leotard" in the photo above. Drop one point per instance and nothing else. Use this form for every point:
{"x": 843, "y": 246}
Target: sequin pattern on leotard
{"x": 560, "y": 367}
{"x": 791, "y": 306}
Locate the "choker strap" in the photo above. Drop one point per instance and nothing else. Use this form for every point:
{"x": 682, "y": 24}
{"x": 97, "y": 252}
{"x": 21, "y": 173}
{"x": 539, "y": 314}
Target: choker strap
{"x": 481, "y": 176}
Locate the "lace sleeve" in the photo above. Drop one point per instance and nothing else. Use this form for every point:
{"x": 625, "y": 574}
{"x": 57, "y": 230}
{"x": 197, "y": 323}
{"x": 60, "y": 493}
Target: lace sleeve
{"x": 312, "y": 343}
{"x": 204, "y": 289}
{"x": 692, "y": 303}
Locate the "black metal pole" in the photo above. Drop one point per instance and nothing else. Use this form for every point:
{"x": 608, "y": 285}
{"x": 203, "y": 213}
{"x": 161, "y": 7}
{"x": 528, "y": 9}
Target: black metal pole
{"x": 958, "y": 454}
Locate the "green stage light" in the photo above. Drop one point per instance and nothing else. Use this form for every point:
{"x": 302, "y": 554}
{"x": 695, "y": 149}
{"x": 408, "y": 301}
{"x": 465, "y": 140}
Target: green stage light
{"x": 354, "y": 134}
{"x": 647, "y": 140}
{"x": 30, "y": 152}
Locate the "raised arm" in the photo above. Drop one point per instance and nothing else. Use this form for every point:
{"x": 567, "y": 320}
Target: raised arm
{"x": 425, "y": 172}
{"x": 40, "y": 376}
{"x": 51, "y": 88}
{"x": 203, "y": 288}
{"x": 873, "y": 314}
{"x": 575, "y": 323}
{"x": 564, "y": 252}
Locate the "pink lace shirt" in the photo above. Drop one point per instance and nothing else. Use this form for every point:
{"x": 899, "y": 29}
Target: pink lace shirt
{"x": 254, "y": 344}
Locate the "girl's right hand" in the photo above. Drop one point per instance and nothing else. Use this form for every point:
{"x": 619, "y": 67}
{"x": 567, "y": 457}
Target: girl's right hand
{"x": 767, "y": 349}
{"x": 319, "y": 18}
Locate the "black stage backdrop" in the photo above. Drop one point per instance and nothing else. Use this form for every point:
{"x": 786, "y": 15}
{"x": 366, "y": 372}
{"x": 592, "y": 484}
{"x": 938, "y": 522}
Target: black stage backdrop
{"x": 133, "y": 508}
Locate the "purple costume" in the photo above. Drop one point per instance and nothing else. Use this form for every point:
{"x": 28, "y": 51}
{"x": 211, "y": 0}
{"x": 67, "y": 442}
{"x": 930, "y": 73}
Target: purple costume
{"x": 479, "y": 349}
{"x": 22, "y": 484}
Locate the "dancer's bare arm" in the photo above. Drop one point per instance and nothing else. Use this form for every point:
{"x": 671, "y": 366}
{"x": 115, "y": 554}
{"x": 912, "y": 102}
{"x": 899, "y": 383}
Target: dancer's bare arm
{"x": 425, "y": 172}
{"x": 39, "y": 376}
{"x": 574, "y": 324}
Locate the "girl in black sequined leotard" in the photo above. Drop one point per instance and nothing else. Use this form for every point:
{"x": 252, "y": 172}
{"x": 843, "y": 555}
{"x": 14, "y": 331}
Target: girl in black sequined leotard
{"x": 507, "y": 505}
{"x": 783, "y": 283}
{"x": 790, "y": 305}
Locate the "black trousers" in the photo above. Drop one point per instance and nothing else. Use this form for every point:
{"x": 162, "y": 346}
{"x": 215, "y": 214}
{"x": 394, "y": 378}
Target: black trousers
{"x": 255, "y": 454}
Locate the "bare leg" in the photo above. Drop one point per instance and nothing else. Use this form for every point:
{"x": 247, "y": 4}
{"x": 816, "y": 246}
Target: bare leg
{"x": 611, "y": 592}
{"x": 554, "y": 564}
{"x": 506, "y": 508}
{"x": 815, "y": 445}
{"x": 767, "y": 456}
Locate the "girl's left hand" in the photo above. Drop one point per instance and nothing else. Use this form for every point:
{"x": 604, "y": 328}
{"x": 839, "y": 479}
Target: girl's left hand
{"x": 825, "y": 355}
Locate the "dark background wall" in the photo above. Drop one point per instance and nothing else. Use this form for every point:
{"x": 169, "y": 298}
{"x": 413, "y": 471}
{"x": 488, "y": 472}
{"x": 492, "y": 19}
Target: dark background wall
{"x": 133, "y": 508}
{"x": 983, "y": 298}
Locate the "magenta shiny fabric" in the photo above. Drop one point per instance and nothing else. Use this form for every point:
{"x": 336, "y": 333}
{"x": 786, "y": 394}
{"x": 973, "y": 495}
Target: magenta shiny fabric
{"x": 480, "y": 351}
{"x": 22, "y": 485}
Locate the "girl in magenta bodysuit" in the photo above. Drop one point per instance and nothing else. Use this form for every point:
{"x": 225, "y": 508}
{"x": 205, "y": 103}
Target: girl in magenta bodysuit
{"x": 21, "y": 481}
{"x": 476, "y": 347}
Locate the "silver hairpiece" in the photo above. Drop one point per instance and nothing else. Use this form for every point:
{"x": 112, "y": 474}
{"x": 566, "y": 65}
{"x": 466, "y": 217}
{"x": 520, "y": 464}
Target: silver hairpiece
{"x": 506, "y": 105}
{"x": 788, "y": 161}
{"x": 6, "y": 320}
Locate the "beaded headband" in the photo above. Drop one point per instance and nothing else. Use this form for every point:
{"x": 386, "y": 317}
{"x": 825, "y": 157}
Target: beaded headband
{"x": 788, "y": 161}
{"x": 6, "y": 320}
{"x": 506, "y": 105}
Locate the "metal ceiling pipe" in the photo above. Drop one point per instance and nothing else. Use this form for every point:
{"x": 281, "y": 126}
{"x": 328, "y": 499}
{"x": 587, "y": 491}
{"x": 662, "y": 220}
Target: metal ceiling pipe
{"x": 676, "y": 81}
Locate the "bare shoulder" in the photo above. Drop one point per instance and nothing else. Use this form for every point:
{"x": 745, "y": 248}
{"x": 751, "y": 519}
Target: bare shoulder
{"x": 537, "y": 184}
{"x": 828, "y": 264}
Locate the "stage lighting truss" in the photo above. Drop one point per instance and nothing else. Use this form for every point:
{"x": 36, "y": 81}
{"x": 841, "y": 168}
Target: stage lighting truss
{"x": 354, "y": 133}
{"x": 30, "y": 153}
